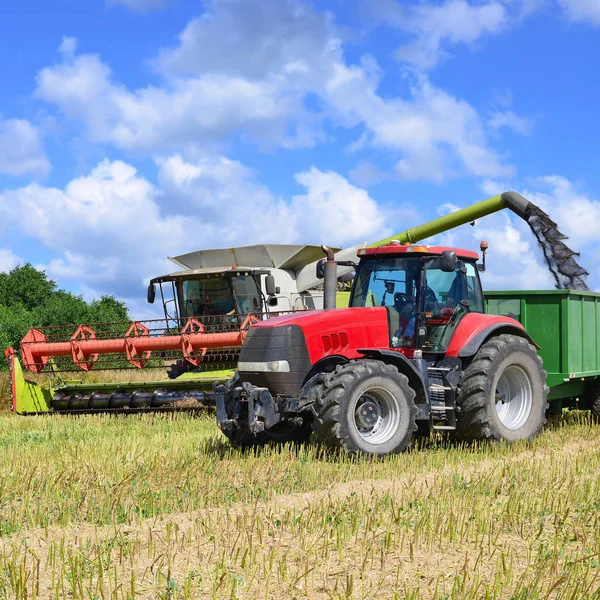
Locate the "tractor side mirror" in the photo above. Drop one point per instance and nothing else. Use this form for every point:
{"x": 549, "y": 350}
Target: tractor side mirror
{"x": 321, "y": 269}
{"x": 449, "y": 261}
{"x": 270, "y": 285}
{"x": 151, "y": 292}
{"x": 390, "y": 287}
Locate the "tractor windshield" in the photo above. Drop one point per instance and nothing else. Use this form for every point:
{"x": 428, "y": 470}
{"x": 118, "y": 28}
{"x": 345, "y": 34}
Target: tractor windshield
{"x": 390, "y": 282}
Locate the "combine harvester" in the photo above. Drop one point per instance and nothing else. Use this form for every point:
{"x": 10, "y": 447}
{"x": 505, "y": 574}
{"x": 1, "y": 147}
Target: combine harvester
{"x": 416, "y": 350}
{"x": 208, "y": 308}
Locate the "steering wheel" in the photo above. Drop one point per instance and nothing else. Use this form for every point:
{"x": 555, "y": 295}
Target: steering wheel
{"x": 405, "y": 298}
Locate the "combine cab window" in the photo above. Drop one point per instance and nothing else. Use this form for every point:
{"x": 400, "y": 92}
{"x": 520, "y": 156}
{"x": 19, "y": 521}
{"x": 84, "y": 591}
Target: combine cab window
{"x": 207, "y": 297}
{"x": 247, "y": 294}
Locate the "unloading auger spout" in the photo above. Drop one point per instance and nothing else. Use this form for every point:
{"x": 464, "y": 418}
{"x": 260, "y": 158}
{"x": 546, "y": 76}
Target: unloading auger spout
{"x": 560, "y": 259}
{"x": 511, "y": 200}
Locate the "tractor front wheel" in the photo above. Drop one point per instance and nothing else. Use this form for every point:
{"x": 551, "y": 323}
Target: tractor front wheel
{"x": 502, "y": 393}
{"x": 365, "y": 406}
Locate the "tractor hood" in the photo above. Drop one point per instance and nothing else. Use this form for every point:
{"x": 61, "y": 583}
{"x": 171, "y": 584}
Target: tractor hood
{"x": 328, "y": 332}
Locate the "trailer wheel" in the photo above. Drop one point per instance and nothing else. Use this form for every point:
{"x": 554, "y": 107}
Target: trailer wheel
{"x": 280, "y": 434}
{"x": 365, "y": 406}
{"x": 502, "y": 393}
{"x": 592, "y": 400}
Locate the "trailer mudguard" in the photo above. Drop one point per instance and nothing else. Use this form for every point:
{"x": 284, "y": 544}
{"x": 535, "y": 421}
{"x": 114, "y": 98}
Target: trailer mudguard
{"x": 475, "y": 329}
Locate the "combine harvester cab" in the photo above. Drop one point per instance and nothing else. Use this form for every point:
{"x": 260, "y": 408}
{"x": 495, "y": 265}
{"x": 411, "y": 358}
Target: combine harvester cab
{"x": 208, "y": 308}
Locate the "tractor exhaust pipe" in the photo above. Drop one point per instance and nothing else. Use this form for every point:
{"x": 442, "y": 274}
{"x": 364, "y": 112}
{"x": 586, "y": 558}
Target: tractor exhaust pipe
{"x": 330, "y": 279}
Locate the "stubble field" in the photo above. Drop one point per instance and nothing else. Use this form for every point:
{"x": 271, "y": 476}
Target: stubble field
{"x": 159, "y": 506}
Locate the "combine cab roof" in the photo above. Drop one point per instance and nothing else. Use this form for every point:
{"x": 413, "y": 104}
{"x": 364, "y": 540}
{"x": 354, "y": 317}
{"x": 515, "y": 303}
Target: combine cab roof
{"x": 279, "y": 256}
{"x": 396, "y": 248}
{"x": 199, "y": 273}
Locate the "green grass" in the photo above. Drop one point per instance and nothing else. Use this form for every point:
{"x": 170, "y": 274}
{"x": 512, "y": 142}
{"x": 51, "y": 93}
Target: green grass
{"x": 157, "y": 506}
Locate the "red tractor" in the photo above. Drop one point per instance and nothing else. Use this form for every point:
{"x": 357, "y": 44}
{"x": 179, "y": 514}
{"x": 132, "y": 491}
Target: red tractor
{"x": 414, "y": 351}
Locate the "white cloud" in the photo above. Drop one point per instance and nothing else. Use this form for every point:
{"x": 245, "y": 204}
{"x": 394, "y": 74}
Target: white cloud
{"x": 21, "y": 149}
{"x": 110, "y": 231}
{"x": 68, "y": 46}
{"x": 8, "y": 260}
{"x": 577, "y": 215}
{"x": 154, "y": 119}
{"x": 104, "y": 227}
{"x": 452, "y": 22}
{"x": 586, "y": 11}
{"x": 510, "y": 120}
{"x": 274, "y": 72}
{"x": 236, "y": 207}
{"x": 286, "y": 40}
{"x": 437, "y": 134}
{"x": 138, "y": 5}
{"x": 333, "y": 209}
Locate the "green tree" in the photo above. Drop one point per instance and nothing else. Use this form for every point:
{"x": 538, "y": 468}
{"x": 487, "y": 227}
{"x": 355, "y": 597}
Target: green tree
{"x": 15, "y": 322}
{"x": 108, "y": 309}
{"x": 25, "y": 286}
{"x": 62, "y": 308}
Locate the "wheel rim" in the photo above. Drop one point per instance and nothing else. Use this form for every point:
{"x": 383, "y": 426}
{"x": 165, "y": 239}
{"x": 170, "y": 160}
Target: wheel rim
{"x": 514, "y": 397}
{"x": 377, "y": 415}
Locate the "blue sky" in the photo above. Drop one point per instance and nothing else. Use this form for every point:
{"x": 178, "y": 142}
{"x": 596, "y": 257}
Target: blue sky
{"x": 131, "y": 130}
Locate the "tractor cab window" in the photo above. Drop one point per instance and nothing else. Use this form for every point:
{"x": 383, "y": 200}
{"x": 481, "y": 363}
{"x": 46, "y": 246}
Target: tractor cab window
{"x": 205, "y": 297}
{"x": 444, "y": 293}
{"x": 474, "y": 293}
{"x": 247, "y": 294}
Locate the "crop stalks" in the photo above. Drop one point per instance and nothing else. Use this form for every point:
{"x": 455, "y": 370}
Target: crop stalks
{"x": 159, "y": 506}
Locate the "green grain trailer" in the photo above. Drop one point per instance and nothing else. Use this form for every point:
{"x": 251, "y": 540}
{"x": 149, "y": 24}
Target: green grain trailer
{"x": 566, "y": 326}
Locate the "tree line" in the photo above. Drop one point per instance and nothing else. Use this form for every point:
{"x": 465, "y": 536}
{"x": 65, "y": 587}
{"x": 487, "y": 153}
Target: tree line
{"x": 29, "y": 299}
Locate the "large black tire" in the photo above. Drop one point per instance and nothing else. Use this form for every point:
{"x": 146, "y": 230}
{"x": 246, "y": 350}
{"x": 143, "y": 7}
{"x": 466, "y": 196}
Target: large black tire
{"x": 280, "y": 434}
{"x": 349, "y": 398}
{"x": 502, "y": 395}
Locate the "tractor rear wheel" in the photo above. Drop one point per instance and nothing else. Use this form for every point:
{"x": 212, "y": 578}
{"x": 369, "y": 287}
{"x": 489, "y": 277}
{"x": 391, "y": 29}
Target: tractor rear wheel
{"x": 280, "y": 434}
{"x": 502, "y": 395}
{"x": 365, "y": 406}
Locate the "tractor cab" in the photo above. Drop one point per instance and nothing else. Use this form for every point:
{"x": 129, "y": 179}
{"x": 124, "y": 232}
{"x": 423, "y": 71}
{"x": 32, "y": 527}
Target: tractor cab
{"x": 425, "y": 290}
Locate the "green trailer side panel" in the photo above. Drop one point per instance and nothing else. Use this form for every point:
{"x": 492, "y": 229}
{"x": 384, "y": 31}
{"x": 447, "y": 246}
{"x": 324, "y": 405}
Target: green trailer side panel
{"x": 565, "y": 324}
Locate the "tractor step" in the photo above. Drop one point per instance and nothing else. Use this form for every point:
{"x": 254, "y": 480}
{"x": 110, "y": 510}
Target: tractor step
{"x": 441, "y": 400}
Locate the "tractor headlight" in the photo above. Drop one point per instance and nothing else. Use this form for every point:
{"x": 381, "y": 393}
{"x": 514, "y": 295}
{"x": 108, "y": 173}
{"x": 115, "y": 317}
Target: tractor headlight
{"x": 271, "y": 366}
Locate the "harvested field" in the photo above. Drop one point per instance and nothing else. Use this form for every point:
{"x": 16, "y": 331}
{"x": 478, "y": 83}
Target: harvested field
{"x": 161, "y": 507}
